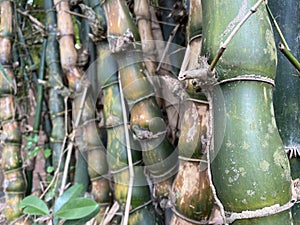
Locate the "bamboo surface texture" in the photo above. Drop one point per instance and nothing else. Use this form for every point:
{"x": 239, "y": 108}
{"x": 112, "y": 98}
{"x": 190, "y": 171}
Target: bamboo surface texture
{"x": 146, "y": 118}
{"x": 287, "y": 91}
{"x": 90, "y": 142}
{"x": 14, "y": 182}
{"x": 249, "y": 166}
{"x": 56, "y": 100}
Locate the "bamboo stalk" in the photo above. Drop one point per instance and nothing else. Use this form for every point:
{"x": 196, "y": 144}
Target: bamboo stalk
{"x": 117, "y": 144}
{"x": 248, "y": 160}
{"x": 91, "y": 142}
{"x": 286, "y": 92}
{"x": 56, "y": 98}
{"x": 193, "y": 202}
{"x": 123, "y": 153}
{"x": 14, "y": 182}
{"x": 146, "y": 118}
{"x": 153, "y": 48}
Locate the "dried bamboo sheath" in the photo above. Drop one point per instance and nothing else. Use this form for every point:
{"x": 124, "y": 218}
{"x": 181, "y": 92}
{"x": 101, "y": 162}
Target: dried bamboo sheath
{"x": 191, "y": 187}
{"x": 91, "y": 142}
{"x": 249, "y": 166}
{"x": 14, "y": 183}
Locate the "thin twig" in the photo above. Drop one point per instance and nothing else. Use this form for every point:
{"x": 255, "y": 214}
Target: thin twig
{"x": 233, "y": 33}
{"x": 292, "y": 59}
{"x": 171, "y": 37}
{"x": 76, "y": 14}
{"x": 71, "y": 143}
{"x": 33, "y": 19}
{"x": 129, "y": 156}
{"x": 277, "y": 28}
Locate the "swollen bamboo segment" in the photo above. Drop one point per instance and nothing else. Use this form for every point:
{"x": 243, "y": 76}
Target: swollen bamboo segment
{"x": 287, "y": 91}
{"x": 91, "y": 142}
{"x": 191, "y": 187}
{"x": 249, "y": 166}
{"x": 14, "y": 183}
{"x": 141, "y": 210}
{"x": 146, "y": 118}
{"x": 56, "y": 101}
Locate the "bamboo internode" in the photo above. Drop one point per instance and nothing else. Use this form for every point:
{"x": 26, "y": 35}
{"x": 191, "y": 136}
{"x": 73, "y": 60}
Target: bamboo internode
{"x": 249, "y": 167}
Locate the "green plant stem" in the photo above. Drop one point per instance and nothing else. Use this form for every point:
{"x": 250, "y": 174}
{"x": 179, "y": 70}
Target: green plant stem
{"x": 292, "y": 59}
{"x": 277, "y": 28}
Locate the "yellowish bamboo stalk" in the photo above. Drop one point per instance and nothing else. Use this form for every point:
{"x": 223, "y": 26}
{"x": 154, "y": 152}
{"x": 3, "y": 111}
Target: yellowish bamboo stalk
{"x": 90, "y": 140}
{"x": 14, "y": 181}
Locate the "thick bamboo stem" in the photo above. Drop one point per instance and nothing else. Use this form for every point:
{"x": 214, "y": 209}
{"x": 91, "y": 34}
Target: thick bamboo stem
{"x": 90, "y": 141}
{"x": 14, "y": 182}
{"x": 146, "y": 118}
{"x": 249, "y": 167}
{"x": 56, "y": 99}
{"x": 128, "y": 176}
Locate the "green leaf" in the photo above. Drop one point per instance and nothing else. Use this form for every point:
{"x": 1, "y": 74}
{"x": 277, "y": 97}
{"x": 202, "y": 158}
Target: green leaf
{"x": 78, "y": 209}
{"x": 33, "y": 205}
{"x": 47, "y": 153}
{"x": 67, "y": 196}
{"x": 50, "y": 169}
{"x": 83, "y": 220}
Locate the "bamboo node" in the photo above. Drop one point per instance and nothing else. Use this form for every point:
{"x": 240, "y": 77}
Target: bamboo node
{"x": 250, "y": 77}
{"x": 142, "y": 133}
{"x": 121, "y": 43}
{"x": 189, "y": 220}
{"x": 202, "y": 76}
{"x": 266, "y": 211}
{"x": 97, "y": 26}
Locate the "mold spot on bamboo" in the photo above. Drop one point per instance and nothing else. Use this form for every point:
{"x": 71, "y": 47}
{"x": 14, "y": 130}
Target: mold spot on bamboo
{"x": 246, "y": 145}
{"x": 244, "y": 201}
{"x": 264, "y": 165}
{"x": 250, "y": 193}
{"x": 242, "y": 171}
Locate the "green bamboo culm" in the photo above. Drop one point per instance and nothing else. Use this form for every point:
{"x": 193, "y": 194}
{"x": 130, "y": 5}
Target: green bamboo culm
{"x": 14, "y": 182}
{"x": 89, "y": 141}
{"x": 287, "y": 91}
{"x": 56, "y": 99}
{"x": 142, "y": 210}
{"x": 146, "y": 118}
{"x": 250, "y": 169}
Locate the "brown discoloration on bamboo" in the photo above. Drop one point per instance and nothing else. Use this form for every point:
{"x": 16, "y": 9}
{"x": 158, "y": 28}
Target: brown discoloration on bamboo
{"x": 143, "y": 16}
{"x": 146, "y": 117}
{"x": 91, "y": 142}
{"x": 14, "y": 183}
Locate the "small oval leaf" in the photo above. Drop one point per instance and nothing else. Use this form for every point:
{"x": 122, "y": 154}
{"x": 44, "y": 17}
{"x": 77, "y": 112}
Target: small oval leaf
{"x": 33, "y": 205}
{"x": 68, "y": 195}
{"x": 77, "y": 209}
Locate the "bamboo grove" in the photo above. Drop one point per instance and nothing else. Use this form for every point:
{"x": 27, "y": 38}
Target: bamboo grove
{"x": 163, "y": 112}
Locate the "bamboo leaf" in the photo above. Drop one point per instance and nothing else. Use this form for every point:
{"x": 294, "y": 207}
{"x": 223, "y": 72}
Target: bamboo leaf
{"x": 69, "y": 195}
{"x": 77, "y": 209}
{"x": 33, "y": 205}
